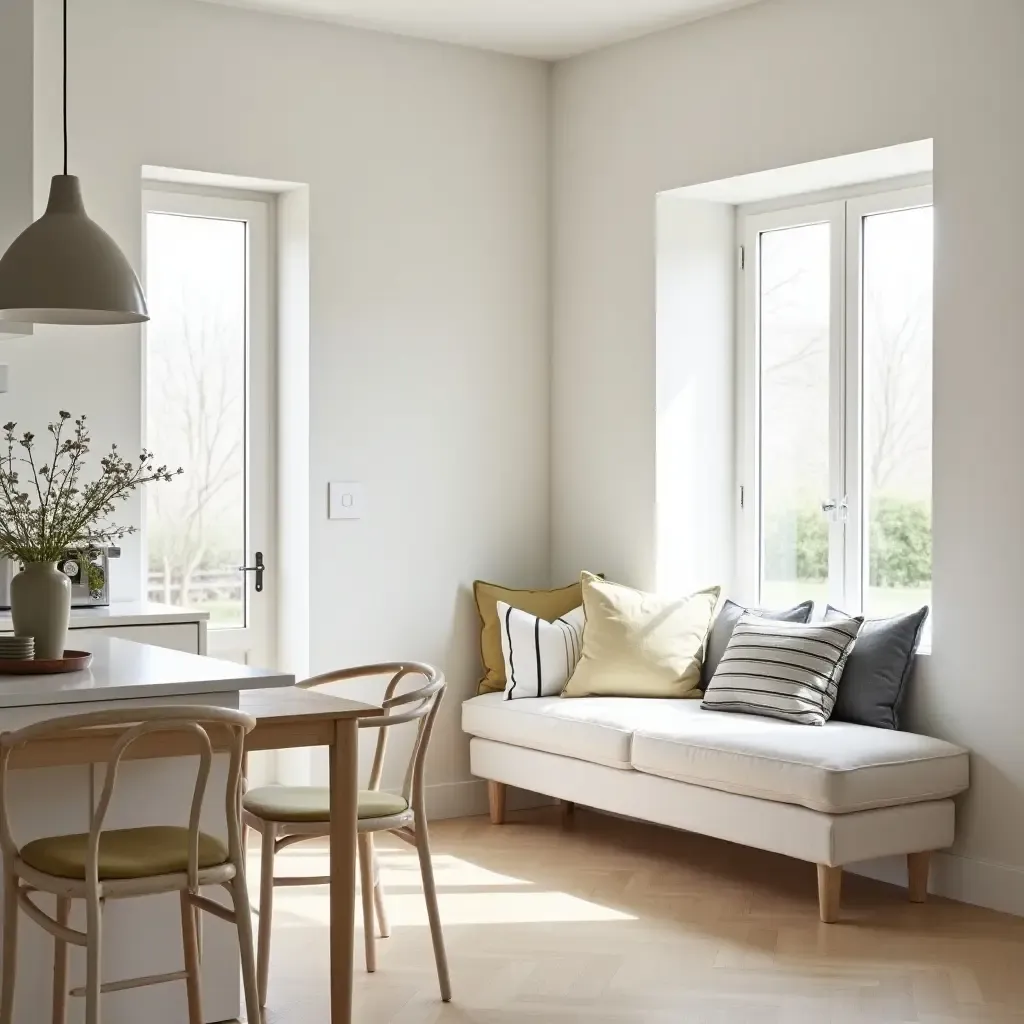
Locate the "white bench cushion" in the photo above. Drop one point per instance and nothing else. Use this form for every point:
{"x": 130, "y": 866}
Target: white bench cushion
{"x": 597, "y": 729}
{"x": 837, "y": 768}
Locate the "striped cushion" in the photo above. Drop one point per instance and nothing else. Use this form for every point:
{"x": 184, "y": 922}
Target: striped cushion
{"x": 540, "y": 656}
{"x": 787, "y": 670}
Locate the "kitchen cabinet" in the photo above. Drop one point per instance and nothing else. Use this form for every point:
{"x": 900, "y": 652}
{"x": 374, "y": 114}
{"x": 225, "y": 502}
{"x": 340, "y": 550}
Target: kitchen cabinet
{"x": 178, "y": 629}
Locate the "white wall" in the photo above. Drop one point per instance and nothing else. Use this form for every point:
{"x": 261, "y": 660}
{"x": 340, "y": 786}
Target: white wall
{"x": 15, "y": 122}
{"x": 15, "y": 118}
{"x": 427, "y": 174}
{"x": 784, "y": 82}
{"x": 695, "y": 374}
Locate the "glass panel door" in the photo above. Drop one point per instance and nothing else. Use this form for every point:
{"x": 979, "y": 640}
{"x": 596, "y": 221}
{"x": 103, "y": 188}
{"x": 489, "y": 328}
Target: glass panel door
{"x": 896, "y": 345}
{"x": 795, "y": 422}
{"x": 208, "y": 409}
{"x": 837, "y": 370}
{"x": 195, "y": 412}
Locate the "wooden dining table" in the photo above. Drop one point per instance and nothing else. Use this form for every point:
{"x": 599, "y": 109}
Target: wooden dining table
{"x": 286, "y": 717}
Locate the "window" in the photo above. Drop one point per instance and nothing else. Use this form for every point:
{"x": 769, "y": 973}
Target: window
{"x": 837, "y": 371}
{"x": 207, "y": 407}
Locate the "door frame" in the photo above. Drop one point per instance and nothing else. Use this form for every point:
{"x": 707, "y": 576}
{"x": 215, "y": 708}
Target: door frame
{"x": 749, "y": 533}
{"x": 843, "y": 210}
{"x": 256, "y": 641}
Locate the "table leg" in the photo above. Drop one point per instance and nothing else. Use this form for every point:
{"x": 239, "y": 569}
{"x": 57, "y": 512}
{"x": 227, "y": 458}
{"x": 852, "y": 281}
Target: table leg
{"x": 344, "y": 783}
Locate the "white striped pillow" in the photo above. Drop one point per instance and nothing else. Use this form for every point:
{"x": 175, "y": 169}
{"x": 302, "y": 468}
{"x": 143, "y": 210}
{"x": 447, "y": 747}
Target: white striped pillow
{"x": 787, "y": 670}
{"x": 539, "y": 655}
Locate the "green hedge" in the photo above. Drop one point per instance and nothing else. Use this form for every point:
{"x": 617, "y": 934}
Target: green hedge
{"x": 900, "y": 548}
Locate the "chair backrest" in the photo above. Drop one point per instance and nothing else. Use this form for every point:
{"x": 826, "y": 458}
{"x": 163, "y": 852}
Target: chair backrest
{"x": 417, "y": 705}
{"x": 121, "y": 729}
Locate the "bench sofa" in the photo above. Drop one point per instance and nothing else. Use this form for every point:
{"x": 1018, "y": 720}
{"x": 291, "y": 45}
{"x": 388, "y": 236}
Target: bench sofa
{"x": 831, "y": 795}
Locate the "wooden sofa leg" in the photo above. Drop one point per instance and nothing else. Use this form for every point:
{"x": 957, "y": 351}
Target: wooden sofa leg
{"x": 918, "y": 865}
{"x": 568, "y": 811}
{"x": 496, "y": 799}
{"x": 830, "y": 884}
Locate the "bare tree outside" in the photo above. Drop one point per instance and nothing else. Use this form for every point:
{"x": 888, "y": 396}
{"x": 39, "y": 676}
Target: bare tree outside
{"x": 195, "y": 369}
{"x": 898, "y": 429}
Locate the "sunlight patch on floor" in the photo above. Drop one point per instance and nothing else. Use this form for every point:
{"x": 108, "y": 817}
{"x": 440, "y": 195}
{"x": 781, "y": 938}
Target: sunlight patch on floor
{"x": 398, "y": 869}
{"x": 408, "y": 909}
{"x": 490, "y": 900}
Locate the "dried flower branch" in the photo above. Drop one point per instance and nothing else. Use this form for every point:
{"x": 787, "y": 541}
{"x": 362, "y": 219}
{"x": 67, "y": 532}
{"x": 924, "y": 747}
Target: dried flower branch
{"x": 55, "y": 511}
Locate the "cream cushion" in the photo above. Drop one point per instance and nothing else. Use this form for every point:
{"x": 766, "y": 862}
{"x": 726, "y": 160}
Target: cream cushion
{"x": 637, "y": 644}
{"x": 598, "y": 729}
{"x": 123, "y": 853}
{"x": 313, "y": 803}
{"x": 838, "y": 768}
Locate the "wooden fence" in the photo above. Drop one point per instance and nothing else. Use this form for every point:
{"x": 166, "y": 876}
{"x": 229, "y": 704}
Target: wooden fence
{"x": 204, "y": 587}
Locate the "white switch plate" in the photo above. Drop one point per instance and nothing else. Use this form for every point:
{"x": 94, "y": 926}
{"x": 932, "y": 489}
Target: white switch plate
{"x": 346, "y": 499}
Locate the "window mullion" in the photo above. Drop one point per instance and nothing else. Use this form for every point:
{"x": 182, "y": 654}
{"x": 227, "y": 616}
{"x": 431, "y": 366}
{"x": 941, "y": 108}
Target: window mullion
{"x": 838, "y": 529}
{"x": 853, "y": 595}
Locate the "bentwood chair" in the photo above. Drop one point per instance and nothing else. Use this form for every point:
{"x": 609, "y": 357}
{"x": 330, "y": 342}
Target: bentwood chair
{"x": 104, "y": 865}
{"x": 284, "y": 815}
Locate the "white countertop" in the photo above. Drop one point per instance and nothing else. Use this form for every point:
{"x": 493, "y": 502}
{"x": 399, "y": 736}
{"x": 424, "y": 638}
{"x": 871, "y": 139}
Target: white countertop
{"x": 123, "y": 613}
{"x": 122, "y": 669}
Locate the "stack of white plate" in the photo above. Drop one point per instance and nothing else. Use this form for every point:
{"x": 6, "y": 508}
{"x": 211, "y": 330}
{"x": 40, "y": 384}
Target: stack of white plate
{"x": 17, "y": 647}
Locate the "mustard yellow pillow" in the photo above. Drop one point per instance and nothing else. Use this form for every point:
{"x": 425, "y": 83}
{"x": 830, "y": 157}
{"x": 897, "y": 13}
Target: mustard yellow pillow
{"x": 637, "y": 644}
{"x": 545, "y": 604}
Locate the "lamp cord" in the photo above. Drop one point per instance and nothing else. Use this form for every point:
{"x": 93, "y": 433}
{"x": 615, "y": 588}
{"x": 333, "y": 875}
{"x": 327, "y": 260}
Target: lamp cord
{"x": 65, "y": 6}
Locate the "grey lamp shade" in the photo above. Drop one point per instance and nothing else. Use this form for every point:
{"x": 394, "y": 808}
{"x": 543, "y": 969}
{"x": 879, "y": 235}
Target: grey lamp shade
{"x": 65, "y": 269}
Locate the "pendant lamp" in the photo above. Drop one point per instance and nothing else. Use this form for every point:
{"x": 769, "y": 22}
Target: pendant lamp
{"x": 64, "y": 268}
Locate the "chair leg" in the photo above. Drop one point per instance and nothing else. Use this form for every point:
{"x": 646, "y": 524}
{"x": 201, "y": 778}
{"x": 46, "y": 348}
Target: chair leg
{"x": 918, "y": 865}
{"x": 830, "y": 882}
{"x": 269, "y": 837}
{"x": 60, "y": 964}
{"x": 430, "y": 894}
{"x": 93, "y": 957}
{"x": 243, "y": 921}
{"x": 10, "y": 953}
{"x": 496, "y": 800}
{"x": 383, "y": 926}
{"x": 190, "y": 947}
{"x": 365, "y": 844}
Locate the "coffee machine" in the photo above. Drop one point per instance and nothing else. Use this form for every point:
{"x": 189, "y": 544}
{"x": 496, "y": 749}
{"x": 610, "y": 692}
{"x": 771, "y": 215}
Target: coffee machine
{"x": 88, "y": 568}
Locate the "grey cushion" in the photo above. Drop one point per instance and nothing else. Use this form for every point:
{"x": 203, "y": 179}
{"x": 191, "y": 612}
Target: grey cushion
{"x": 787, "y": 670}
{"x": 725, "y": 623}
{"x": 874, "y": 683}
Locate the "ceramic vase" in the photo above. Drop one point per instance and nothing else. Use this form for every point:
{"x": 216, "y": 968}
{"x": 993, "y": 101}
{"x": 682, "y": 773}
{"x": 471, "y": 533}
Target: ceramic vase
{"x": 41, "y": 607}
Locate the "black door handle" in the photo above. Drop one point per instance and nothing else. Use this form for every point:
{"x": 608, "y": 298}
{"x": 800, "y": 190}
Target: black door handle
{"x": 258, "y": 568}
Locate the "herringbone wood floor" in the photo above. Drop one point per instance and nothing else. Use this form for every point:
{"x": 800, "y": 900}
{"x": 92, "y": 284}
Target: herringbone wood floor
{"x": 613, "y": 922}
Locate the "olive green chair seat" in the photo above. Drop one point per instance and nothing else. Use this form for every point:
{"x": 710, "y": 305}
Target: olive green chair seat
{"x": 313, "y": 803}
{"x": 123, "y": 853}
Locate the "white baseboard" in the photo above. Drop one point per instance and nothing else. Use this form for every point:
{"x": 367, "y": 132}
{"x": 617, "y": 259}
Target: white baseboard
{"x": 978, "y": 882}
{"x": 466, "y": 799}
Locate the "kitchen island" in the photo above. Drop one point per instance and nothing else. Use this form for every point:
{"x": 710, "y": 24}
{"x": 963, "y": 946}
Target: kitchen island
{"x": 141, "y": 936}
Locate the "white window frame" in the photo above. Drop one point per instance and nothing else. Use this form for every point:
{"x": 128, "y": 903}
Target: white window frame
{"x": 844, "y": 211}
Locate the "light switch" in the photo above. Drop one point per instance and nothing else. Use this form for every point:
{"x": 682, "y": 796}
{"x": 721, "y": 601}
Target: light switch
{"x": 345, "y": 500}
